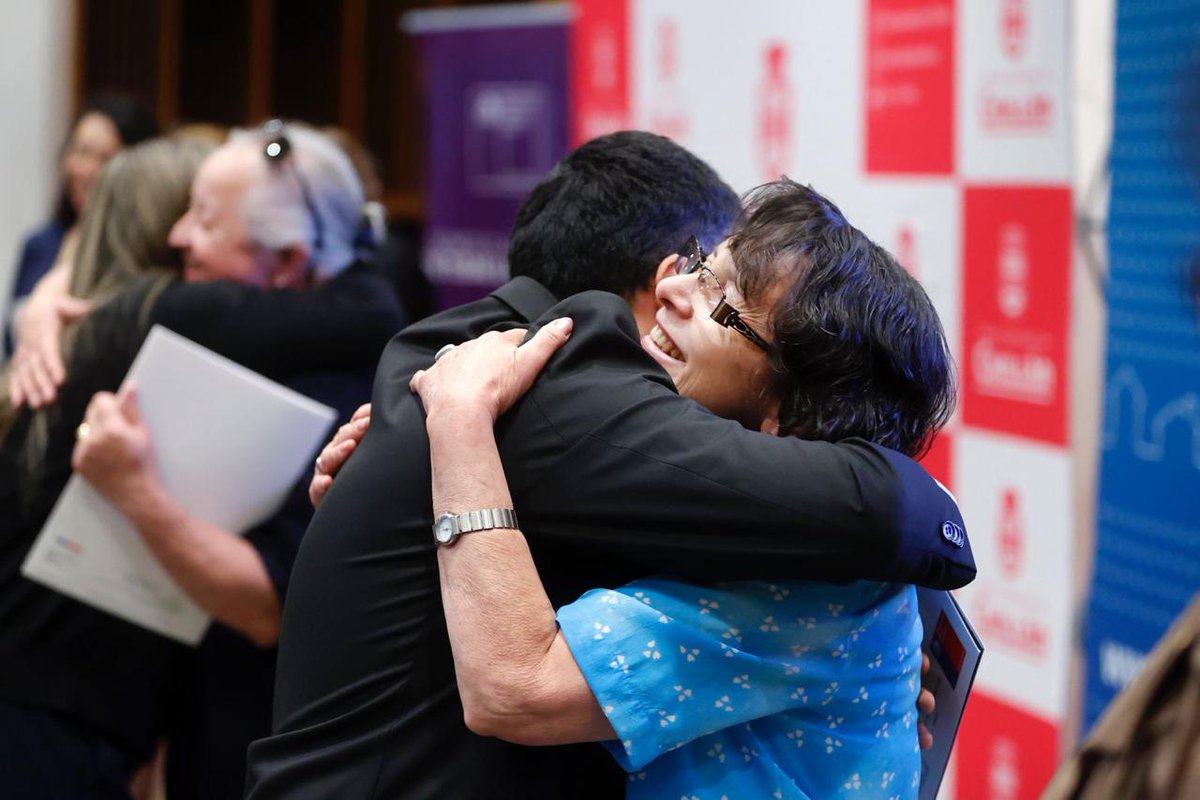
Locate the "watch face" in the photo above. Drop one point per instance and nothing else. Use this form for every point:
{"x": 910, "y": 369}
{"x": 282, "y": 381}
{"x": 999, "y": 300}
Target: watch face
{"x": 444, "y": 530}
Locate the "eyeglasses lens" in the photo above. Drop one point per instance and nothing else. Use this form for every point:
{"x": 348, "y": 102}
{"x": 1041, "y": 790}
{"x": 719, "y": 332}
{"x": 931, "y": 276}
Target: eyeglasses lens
{"x": 710, "y": 288}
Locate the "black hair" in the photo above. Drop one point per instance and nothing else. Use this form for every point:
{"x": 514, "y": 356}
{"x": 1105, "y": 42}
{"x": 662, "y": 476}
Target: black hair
{"x": 858, "y": 347}
{"x": 610, "y": 211}
{"x": 134, "y": 123}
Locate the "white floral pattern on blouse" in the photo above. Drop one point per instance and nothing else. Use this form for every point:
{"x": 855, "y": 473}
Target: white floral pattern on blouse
{"x": 746, "y": 690}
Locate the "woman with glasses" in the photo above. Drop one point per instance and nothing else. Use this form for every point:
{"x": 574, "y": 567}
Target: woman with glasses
{"x": 797, "y": 326}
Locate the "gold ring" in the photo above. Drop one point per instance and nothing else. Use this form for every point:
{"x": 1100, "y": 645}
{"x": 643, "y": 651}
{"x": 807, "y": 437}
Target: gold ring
{"x": 82, "y": 431}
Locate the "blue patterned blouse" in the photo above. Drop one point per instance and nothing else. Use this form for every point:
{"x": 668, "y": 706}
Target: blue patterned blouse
{"x": 755, "y": 690}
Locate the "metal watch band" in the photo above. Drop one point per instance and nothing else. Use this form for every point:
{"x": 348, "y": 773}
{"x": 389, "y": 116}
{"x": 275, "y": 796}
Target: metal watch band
{"x": 448, "y": 527}
{"x": 486, "y": 519}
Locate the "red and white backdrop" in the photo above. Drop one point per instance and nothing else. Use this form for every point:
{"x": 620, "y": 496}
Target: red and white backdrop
{"x": 940, "y": 127}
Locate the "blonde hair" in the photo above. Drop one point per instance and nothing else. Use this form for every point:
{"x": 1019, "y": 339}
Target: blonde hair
{"x": 122, "y": 237}
{"x": 124, "y": 231}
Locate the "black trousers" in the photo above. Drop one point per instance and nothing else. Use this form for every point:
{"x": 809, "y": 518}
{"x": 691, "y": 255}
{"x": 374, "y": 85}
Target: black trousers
{"x": 47, "y": 757}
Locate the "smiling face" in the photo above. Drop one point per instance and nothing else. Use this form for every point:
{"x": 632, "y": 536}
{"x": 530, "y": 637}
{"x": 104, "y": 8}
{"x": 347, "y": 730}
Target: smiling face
{"x": 93, "y": 143}
{"x": 211, "y": 234}
{"x": 712, "y": 364}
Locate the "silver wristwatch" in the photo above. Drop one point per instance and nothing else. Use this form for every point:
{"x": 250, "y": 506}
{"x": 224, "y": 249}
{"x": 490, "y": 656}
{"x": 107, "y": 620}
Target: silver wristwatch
{"x": 449, "y": 527}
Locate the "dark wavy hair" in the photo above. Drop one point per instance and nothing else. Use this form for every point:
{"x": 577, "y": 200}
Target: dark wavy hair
{"x": 858, "y": 347}
{"x": 134, "y": 123}
{"x": 608, "y": 213}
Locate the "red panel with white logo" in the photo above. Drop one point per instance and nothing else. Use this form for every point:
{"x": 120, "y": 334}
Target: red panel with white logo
{"x": 939, "y": 461}
{"x": 1004, "y": 753}
{"x": 1016, "y": 265}
{"x": 600, "y": 69}
{"x": 910, "y": 86}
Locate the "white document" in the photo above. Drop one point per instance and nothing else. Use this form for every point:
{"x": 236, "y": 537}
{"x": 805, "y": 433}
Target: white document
{"x": 229, "y": 446}
{"x": 954, "y": 652}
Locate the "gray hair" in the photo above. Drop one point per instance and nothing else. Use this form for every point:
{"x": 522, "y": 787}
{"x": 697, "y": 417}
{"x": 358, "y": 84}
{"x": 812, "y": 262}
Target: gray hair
{"x": 274, "y": 210}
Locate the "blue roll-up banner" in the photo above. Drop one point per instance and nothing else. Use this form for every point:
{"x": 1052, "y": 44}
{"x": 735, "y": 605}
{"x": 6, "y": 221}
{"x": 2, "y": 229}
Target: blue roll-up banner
{"x": 1148, "y": 520}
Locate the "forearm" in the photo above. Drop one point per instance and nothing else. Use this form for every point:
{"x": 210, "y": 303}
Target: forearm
{"x": 51, "y": 286}
{"x": 218, "y": 570}
{"x": 515, "y": 673}
{"x": 56, "y": 282}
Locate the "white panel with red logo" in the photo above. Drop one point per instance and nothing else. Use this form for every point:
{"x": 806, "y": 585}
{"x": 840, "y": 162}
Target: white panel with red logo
{"x": 1013, "y": 105}
{"x": 729, "y": 83}
{"x": 1011, "y": 496}
{"x": 914, "y": 219}
{"x": 1011, "y": 492}
{"x": 939, "y": 127}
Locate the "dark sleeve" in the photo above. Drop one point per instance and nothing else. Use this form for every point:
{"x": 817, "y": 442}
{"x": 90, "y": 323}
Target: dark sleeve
{"x": 278, "y": 539}
{"x": 341, "y": 324}
{"x": 109, "y": 338}
{"x": 37, "y": 257}
{"x": 656, "y": 478}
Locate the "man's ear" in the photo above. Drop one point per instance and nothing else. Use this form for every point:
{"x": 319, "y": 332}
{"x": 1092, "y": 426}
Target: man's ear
{"x": 291, "y": 268}
{"x": 644, "y": 302}
{"x": 665, "y": 269}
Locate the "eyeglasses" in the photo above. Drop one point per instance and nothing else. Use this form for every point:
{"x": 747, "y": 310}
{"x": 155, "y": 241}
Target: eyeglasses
{"x": 691, "y": 262}
{"x": 277, "y": 150}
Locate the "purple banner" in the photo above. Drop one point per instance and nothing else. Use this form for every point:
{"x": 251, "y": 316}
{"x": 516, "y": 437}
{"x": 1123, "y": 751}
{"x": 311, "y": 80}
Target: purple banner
{"x": 495, "y": 95}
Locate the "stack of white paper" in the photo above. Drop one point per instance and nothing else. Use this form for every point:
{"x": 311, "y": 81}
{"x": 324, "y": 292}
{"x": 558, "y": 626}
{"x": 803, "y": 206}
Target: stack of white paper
{"x": 229, "y": 446}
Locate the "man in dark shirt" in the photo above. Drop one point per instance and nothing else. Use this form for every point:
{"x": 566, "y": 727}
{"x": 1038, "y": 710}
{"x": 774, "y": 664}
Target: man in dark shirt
{"x": 616, "y": 476}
